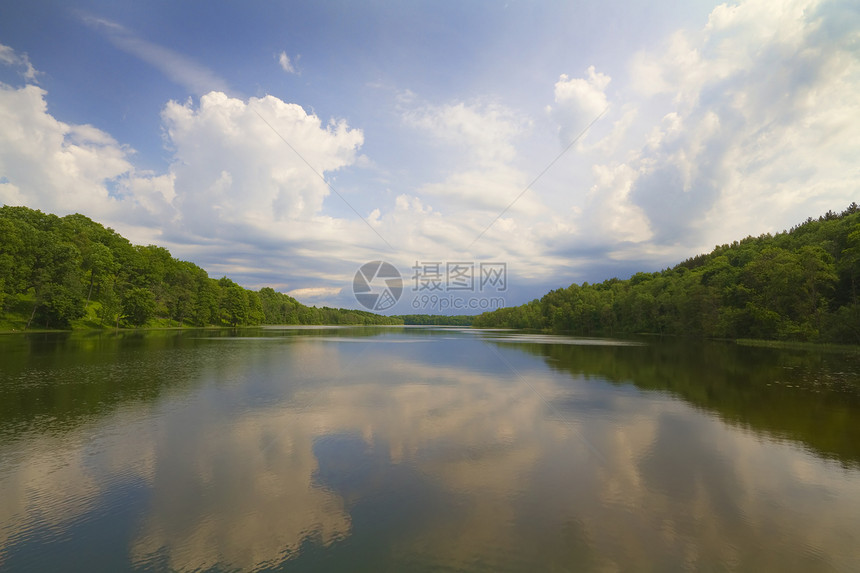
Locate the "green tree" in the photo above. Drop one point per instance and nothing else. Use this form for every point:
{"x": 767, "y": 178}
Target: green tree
{"x": 208, "y": 300}
{"x": 55, "y": 281}
{"x": 138, "y": 306}
{"x": 255, "y": 308}
{"x": 15, "y": 258}
{"x": 111, "y": 305}
{"x": 235, "y": 305}
{"x": 818, "y": 278}
{"x": 98, "y": 263}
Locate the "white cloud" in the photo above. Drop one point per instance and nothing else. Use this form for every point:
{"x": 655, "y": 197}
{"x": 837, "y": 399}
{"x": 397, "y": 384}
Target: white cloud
{"x": 10, "y": 57}
{"x": 490, "y": 190}
{"x": 314, "y": 292}
{"x": 232, "y": 183}
{"x": 182, "y": 70}
{"x": 285, "y": 63}
{"x": 610, "y": 206}
{"x": 482, "y": 180}
{"x": 486, "y": 132}
{"x": 578, "y": 101}
{"x": 744, "y": 126}
{"x": 759, "y": 125}
{"x": 63, "y": 168}
{"x": 479, "y": 207}
{"x": 233, "y": 169}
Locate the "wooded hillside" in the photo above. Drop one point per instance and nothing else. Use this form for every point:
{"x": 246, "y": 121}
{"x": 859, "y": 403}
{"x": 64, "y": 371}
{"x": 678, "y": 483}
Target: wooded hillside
{"x": 800, "y": 284}
{"x": 57, "y": 272}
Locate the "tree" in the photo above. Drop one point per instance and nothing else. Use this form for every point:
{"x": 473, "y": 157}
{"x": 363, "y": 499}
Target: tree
{"x": 255, "y": 309}
{"x": 15, "y": 258}
{"x": 818, "y": 276}
{"x": 98, "y": 261}
{"x": 55, "y": 281}
{"x": 111, "y": 305}
{"x": 799, "y": 284}
{"x": 138, "y": 306}
{"x": 205, "y": 310}
{"x": 850, "y": 261}
{"x": 235, "y": 305}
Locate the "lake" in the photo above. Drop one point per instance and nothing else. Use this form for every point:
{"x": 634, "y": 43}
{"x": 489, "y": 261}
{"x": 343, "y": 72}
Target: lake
{"x": 423, "y": 449}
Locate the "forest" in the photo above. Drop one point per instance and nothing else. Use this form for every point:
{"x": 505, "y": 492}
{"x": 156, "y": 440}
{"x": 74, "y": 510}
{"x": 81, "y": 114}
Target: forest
{"x": 62, "y": 272}
{"x": 798, "y": 285}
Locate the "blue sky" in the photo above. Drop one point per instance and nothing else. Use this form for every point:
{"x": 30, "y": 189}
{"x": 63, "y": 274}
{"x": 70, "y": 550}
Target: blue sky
{"x": 167, "y": 121}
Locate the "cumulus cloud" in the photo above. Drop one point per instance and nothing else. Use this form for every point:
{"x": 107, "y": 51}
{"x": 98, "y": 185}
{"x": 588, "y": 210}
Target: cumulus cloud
{"x": 743, "y": 126}
{"x": 231, "y": 179}
{"x": 758, "y": 125}
{"x": 484, "y": 130}
{"x": 610, "y": 197}
{"x": 239, "y": 201}
{"x": 578, "y": 101}
{"x": 238, "y": 183}
{"x": 483, "y": 178}
{"x": 232, "y": 166}
{"x": 62, "y": 168}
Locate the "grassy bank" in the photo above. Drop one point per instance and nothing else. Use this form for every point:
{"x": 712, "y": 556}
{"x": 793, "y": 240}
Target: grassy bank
{"x": 794, "y": 345}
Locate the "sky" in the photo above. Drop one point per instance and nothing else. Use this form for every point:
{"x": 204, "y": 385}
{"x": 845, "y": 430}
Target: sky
{"x": 287, "y": 144}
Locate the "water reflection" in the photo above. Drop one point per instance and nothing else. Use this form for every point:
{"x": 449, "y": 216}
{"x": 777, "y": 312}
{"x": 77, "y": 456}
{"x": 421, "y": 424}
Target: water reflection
{"x": 316, "y": 453}
{"x": 241, "y": 496}
{"x": 807, "y": 396}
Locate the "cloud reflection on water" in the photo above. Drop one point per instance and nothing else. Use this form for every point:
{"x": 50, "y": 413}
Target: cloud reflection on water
{"x": 235, "y": 469}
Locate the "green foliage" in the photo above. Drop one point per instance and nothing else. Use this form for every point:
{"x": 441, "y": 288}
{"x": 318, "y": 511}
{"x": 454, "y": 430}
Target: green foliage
{"x": 57, "y": 267}
{"x": 797, "y": 285}
{"x": 111, "y": 306}
{"x": 138, "y": 306}
{"x": 235, "y": 306}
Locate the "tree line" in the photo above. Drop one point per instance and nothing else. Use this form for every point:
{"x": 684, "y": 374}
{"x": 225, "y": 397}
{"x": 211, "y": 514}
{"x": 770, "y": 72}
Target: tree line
{"x": 799, "y": 284}
{"x": 59, "y": 271}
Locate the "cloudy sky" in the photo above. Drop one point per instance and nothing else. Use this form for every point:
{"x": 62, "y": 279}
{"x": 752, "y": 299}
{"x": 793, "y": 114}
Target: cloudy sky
{"x": 285, "y": 144}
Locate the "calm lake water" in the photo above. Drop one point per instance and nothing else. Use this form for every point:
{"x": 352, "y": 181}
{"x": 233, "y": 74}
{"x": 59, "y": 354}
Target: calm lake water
{"x": 414, "y": 449}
